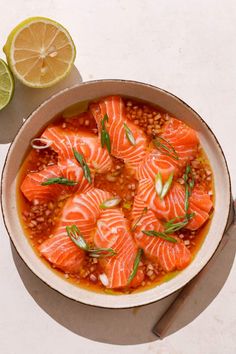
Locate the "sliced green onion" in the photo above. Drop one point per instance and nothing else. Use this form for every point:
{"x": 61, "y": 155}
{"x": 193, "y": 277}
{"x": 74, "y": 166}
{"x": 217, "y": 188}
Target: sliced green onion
{"x": 59, "y": 180}
{"x": 75, "y": 235}
{"x": 188, "y": 187}
{"x": 158, "y": 183}
{"x": 129, "y": 134}
{"x": 159, "y": 234}
{"x": 171, "y": 226}
{"x": 135, "y": 266}
{"x": 191, "y": 184}
{"x": 186, "y": 200}
{"x": 110, "y": 203}
{"x": 105, "y": 138}
{"x": 80, "y": 158}
{"x": 101, "y": 252}
{"x": 139, "y": 218}
{"x": 160, "y": 189}
{"x": 167, "y": 186}
{"x": 165, "y": 147}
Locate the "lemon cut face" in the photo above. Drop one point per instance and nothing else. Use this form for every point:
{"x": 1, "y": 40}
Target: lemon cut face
{"x": 6, "y": 85}
{"x": 40, "y": 52}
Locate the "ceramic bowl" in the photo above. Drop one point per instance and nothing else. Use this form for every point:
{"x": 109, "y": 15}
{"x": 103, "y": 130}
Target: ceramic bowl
{"x": 88, "y": 91}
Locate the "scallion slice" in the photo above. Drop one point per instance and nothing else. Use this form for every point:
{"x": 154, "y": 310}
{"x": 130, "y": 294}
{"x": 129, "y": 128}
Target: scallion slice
{"x": 159, "y": 234}
{"x": 80, "y": 158}
{"x": 105, "y": 138}
{"x": 59, "y": 180}
{"x": 110, "y": 203}
{"x": 129, "y": 134}
{"x": 135, "y": 266}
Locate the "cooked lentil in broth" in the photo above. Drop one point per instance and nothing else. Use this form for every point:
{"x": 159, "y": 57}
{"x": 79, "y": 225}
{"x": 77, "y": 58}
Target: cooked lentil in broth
{"x": 40, "y": 219}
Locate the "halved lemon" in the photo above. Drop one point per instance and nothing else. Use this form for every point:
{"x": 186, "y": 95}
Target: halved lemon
{"x": 6, "y": 85}
{"x": 40, "y": 52}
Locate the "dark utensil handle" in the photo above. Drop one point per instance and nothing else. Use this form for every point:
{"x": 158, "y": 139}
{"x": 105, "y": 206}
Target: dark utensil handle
{"x": 162, "y": 326}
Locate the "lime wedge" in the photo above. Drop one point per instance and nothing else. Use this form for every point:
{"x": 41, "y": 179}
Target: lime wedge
{"x": 40, "y": 52}
{"x": 6, "y": 85}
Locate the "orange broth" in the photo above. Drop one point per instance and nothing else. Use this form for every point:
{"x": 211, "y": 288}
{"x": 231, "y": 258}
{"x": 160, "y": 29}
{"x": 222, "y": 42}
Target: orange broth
{"x": 39, "y": 221}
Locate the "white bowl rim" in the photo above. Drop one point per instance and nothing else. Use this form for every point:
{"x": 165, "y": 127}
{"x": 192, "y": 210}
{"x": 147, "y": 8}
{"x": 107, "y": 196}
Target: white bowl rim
{"x": 61, "y": 92}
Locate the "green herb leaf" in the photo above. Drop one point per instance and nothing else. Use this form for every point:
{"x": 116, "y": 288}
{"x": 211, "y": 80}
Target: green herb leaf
{"x": 159, "y": 234}
{"x": 129, "y": 134}
{"x": 110, "y": 203}
{"x": 158, "y": 183}
{"x": 165, "y": 147}
{"x": 59, "y": 180}
{"x": 135, "y": 266}
{"x": 74, "y": 233}
{"x": 105, "y": 138}
{"x": 167, "y": 186}
{"x": 80, "y": 158}
{"x": 139, "y": 218}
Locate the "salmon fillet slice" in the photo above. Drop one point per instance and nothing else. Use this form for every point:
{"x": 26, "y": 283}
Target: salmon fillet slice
{"x": 172, "y": 205}
{"x": 170, "y": 256}
{"x": 85, "y": 143}
{"x": 83, "y": 211}
{"x": 121, "y": 147}
{"x": 183, "y": 139}
{"x": 72, "y": 171}
{"x": 33, "y": 190}
{"x": 156, "y": 162}
{"x": 185, "y": 142}
{"x": 113, "y": 232}
{"x": 62, "y": 253}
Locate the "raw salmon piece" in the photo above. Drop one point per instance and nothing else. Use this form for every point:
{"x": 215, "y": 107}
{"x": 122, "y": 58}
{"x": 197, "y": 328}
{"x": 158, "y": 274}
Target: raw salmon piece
{"x": 72, "y": 171}
{"x": 88, "y": 144}
{"x": 113, "y": 232}
{"x": 156, "y": 162}
{"x": 121, "y": 147}
{"x": 32, "y": 187}
{"x": 33, "y": 190}
{"x": 183, "y": 139}
{"x": 62, "y": 253}
{"x": 185, "y": 142}
{"x": 138, "y": 207}
{"x": 172, "y": 205}
{"x": 170, "y": 256}
{"x": 81, "y": 210}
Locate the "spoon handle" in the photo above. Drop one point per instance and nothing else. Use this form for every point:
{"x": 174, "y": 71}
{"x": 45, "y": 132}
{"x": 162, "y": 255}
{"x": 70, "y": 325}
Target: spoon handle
{"x": 162, "y": 326}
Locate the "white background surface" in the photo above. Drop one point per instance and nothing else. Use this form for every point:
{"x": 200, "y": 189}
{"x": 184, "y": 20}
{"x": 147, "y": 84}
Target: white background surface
{"x": 189, "y": 48}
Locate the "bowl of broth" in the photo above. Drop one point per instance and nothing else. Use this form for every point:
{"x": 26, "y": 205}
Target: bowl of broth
{"x": 115, "y": 193}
